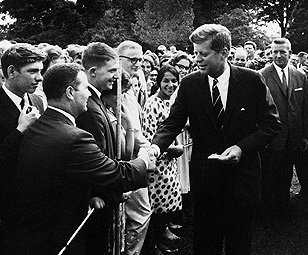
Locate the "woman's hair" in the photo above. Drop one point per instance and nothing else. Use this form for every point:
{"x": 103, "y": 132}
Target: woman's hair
{"x": 167, "y": 68}
{"x": 178, "y": 56}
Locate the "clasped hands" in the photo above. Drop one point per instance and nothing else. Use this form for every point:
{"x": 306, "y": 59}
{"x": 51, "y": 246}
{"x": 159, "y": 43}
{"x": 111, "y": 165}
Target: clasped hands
{"x": 231, "y": 155}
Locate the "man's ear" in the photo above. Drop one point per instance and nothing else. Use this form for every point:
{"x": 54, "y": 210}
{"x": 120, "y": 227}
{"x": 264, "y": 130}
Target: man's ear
{"x": 69, "y": 92}
{"x": 225, "y": 52}
{"x": 92, "y": 72}
{"x": 11, "y": 71}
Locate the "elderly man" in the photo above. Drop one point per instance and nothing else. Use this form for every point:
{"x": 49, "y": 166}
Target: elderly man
{"x": 232, "y": 116}
{"x": 57, "y": 165}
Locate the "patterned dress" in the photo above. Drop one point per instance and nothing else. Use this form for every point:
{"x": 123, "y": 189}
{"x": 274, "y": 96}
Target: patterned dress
{"x": 164, "y": 184}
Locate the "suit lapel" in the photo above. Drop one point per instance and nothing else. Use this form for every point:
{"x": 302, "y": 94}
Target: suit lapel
{"x": 291, "y": 82}
{"x": 233, "y": 97}
{"x": 9, "y": 105}
{"x": 108, "y": 128}
{"x": 206, "y": 98}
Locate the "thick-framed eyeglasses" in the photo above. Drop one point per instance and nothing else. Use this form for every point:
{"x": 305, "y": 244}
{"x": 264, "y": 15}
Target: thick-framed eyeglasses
{"x": 182, "y": 67}
{"x": 132, "y": 60}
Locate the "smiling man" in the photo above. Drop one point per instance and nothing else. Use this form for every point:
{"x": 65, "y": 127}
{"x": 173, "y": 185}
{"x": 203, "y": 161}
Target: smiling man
{"x": 101, "y": 65}
{"x": 57, "y": 165}
{"x": 232, "y": 116}
{"x": 19, "y": 108}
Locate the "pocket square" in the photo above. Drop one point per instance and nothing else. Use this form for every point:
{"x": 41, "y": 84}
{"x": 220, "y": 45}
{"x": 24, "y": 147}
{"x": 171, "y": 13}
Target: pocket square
{"x": 243, "y": 109}
{"x": 298, "y": 89}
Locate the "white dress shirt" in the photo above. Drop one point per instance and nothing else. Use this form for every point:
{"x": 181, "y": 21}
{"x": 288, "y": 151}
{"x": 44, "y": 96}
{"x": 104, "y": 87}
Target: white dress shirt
{"x": 279, "y": 72}
{"x": 16, "y": 99}
{"x": 66, "y": 114}
{"x": 223, "y": 85}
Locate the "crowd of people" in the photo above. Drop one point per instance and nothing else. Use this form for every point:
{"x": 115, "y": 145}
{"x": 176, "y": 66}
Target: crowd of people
{"x": 214, "y": 135}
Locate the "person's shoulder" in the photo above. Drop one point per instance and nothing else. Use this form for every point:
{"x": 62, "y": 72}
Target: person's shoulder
{"x": 297, "y": 72}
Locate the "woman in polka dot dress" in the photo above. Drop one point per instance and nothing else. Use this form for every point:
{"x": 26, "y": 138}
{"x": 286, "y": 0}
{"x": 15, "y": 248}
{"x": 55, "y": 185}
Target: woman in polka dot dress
{"x": 164, "y": 184}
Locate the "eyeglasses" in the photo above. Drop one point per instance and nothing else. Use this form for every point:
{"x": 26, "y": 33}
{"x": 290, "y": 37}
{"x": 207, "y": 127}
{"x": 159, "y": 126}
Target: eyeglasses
{"x": 132, "y": 60}
{"x": 182, "y": 67}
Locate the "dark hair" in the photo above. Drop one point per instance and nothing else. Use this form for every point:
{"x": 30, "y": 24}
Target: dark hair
{"x": 58, "y": 77}
{"x": 20, "y": 55}
{"x": 166, "y": 68}
{"x": 219, "y": 36}
{"x": 53, "y": 52}
{"x": 178, "y": 56}
{"x": 251, "y": 43}
{"x": 125, "y": 85}
{"x": 97, "y": 54}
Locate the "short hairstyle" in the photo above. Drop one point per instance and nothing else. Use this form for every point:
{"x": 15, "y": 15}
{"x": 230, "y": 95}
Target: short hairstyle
{"x": 58, "y": 77}
{"x": 97, "y": 54}
{"x": 20, "y": 55}
{"x": 281, "y": 41}
{"x": 253, "y": 44}
{"x": 53, "y": 52}
{"x": 125, "y": 85}
{"x": 302, "y": 54}
{"x": 219, "y": 36}
{"x": 167, "y": 68}
{"x": 126, "y": 45}
{"x": 149, "y": 59}
{"x": 178, "y": 56}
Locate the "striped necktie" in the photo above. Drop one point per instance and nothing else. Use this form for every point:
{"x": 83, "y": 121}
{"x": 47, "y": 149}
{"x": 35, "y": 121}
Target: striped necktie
{"x": 217, "y": 104}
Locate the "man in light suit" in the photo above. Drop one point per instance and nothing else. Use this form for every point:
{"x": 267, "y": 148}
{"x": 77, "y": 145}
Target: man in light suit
{"x": 21, "y": 65}
{"x": 101, "y": 65}
{"x": 57, "y": 165}
{"x": 137, "y": 206}
{"x": 227, "y": 133}
{"x": 289, "y": 89}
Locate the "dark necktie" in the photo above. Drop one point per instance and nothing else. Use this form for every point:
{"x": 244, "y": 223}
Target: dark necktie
{"x": 217, "y": 104}
{"x": 22, "y": 103}
{"x": 284, "y": 81}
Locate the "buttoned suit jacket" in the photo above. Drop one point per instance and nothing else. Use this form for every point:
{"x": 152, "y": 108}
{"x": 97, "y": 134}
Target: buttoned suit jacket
{"x": 57, "y": 164}
{"x": 292, "y": 105}
{"x": 10, "y": 139}
{"x": 250, "y": 121}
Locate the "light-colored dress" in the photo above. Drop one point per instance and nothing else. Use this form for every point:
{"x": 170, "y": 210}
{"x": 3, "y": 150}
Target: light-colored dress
{"x": 164, "y": 184}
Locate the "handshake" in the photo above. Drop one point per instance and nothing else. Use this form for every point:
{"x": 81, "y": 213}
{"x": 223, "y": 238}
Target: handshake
{"x": 149, "y": 155}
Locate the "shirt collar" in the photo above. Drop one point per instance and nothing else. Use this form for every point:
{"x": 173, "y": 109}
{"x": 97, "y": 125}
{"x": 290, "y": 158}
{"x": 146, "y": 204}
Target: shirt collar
{"x": 278, "y": 69}
{"x": 95, "y": 90}
{"x": 66, "y": 114}
{"x": 223, "y": 78}
{"x": 16, "y": 99}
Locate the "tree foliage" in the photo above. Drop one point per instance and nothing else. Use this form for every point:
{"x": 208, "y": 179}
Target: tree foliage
{"x": 165, "y": 22}
{"x": 298, "y": 32}
{"x": 207, "y": 11}
{"x": 280, "y": 11}
{"x": 243, "y": 27}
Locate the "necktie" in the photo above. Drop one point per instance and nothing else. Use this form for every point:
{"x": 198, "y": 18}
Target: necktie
{"x": 284, "y": 81}
{"x": 217, "y": 104}
{"x": 22, "y": 103}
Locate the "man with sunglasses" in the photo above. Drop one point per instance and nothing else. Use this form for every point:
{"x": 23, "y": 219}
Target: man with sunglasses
{"x": 137, "y": 206}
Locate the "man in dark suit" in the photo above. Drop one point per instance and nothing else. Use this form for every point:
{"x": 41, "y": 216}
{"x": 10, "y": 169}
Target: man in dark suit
{"x": 19, "y": 108}
{"x": 289, "y": 89}
{"x": 232, "y": 116}
{"x": 101, "y": 65}
{"x": 57, "y": 164}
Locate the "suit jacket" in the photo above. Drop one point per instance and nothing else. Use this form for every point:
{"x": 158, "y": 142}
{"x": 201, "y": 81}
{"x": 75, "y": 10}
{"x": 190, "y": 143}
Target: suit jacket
{"x": 57, "y": 164}
{"x": 292, "y": 106}
{"x": 250, "y": 121}
{"x": 10, "y": 139}
{"x": 96, "y": 121}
